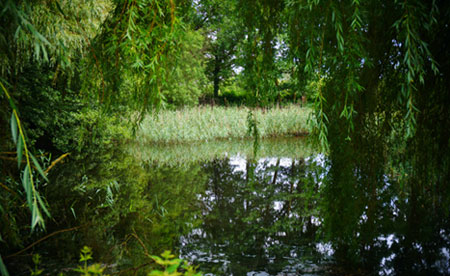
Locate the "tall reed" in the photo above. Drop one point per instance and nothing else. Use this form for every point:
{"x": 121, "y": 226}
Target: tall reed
{"x": 206, "y": 123}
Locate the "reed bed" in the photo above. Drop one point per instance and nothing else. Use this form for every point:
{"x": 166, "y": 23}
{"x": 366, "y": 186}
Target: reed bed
{"x": 206, "y": 123}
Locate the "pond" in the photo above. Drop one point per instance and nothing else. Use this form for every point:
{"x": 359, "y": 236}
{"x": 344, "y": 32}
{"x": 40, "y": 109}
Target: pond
{"x": 253, "y": 215}
{"x": 233, "y": 212}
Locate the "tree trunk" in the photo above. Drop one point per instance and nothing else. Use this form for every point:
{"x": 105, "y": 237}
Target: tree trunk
{"x": 216, "y": 78}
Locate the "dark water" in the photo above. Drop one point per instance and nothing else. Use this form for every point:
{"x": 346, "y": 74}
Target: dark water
{"x": 265, "y": 215}
{"x": 233, "y": 213}
{"x": 259, "y": 217}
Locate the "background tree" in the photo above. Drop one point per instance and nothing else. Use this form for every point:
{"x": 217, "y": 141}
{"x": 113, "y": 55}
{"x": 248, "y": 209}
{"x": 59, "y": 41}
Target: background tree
{"x": 186, "y": 79}
{"x": 262, "y": 21}
{"x": 223, "y": 33}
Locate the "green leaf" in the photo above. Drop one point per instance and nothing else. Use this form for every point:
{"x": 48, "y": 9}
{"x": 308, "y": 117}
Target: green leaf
{"x": 43, "y": 205}
{"x": 3, "y": 269}
{"x": 19, "y": 151}
{"x": 44, "y": 53}
{"x": 167, "y": 254}
{"x": 38, "y": 167}
{"x": 86, "y": 250}
{"x": 37, "y": 49}
{"x": 157, "y": 259}
{"x": 14, "y": 128}
{"x": 173, "y": 268}
{"x": 36, "y": 216}
{"x": 59, "y": 8}
{"x": 27, "y": 184}
{"x": 95, "y": 269}
{"x": 38, "y": 35}
{"x": 73, "y": 212}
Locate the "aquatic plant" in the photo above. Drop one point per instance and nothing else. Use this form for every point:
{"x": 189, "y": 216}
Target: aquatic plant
{"x": 205, "y": 123}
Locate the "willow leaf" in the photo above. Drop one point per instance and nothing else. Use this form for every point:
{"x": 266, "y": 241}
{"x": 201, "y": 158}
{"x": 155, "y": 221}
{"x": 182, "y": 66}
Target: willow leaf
{"x": 3, "y": 269}
{"x": 27, "y": 185}
{"x": 19, "y": 151}
{"x": 36, "y": 216}
{"x": 38, "y": 35}
{"x": 14, "y": 128}
{"x": 59, "y": 8}
{"x": 38, "y": 166}
{"x": 43, "y": 205}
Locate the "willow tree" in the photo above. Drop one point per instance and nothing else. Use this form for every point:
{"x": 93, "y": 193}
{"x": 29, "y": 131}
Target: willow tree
{"x": 53, "y": 54}
{"x": 108, "y": 52}
{"x": 41, "y": 43}
{"x": 381, "y": 110}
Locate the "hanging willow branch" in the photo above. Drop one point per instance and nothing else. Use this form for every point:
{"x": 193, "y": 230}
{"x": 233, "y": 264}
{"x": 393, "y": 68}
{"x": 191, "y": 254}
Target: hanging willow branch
{"x": 131, "y": 50}
{"x": 34, "y": 200}
{"x": 415, "y": 21}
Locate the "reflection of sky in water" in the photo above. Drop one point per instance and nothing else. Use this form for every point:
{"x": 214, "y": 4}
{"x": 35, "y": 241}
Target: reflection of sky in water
{"x": 239, "y": 163}
{"x": 443, "y": 264}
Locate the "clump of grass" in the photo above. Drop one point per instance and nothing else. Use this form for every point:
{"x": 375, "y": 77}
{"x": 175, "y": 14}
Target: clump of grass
{"x": 206, "y": 123}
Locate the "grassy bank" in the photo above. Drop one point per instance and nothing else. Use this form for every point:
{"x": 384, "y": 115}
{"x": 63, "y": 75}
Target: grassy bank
{"x": 215, "y": 123}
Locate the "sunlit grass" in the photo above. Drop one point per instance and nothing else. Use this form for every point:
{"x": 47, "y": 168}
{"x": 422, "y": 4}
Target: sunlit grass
{"x": 208, "y": 123}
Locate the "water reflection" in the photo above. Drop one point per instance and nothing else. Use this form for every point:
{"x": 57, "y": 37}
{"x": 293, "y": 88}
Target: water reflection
{"x": 259, "y": 216}
{"x": 267, "y": 216}
{"x": 236, "y": 214}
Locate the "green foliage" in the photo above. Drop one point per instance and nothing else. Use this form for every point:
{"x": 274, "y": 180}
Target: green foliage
{"x": 36, "y": 270}
{"x": 47, "y": 33}
{"x": 36, "y": 37}
{"x": 313, "y": 88}
{"x": 366, "y": 65}
{"x": 3, "y": 270}
{"x": 98, "y": 132}
{"x": 29, "y": 182}
{"x": 262, "y": 21}
{"x": 88, "y": 270}
{"x": 206, "y": 124}
{"x": 233, "y": 93}
{"x": 221, "y": 25}
{"x": 377, "y": 65}
{"x": 172, "y": 266}
{"x": 186, "y": 82}
{"x": 129, "y": 58}
{"x": 252, "y": 130}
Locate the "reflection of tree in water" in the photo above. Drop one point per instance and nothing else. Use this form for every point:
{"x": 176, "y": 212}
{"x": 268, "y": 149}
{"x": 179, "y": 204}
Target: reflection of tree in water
{"x": 256, "y": 218}
{"x": 378, "y": 222}
{"x": 270, "y": 216}
{"x": 265, "y": 215}
{"x": 117, "y": 208}
{"x": 422, "y": 230}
